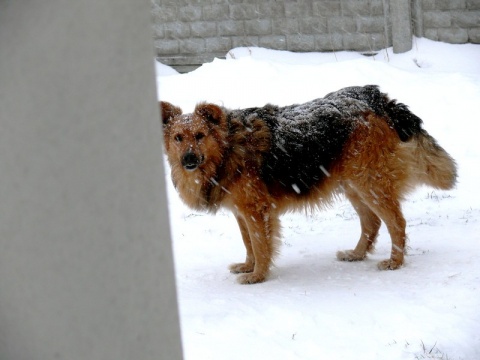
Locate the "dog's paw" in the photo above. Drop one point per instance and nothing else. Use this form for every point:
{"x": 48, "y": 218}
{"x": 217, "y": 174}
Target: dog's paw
{"x": 241, "y": 268}
{"x": 251, "y": 278}
{"x": 389, "y": 264}
{"x": 350, "y": 255}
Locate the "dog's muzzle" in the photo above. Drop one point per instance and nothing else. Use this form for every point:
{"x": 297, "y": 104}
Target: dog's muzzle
{"x": 190, "y": 161}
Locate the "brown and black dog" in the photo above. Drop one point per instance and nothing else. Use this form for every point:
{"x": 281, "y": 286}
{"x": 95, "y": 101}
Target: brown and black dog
{"x": 261, "y": 162}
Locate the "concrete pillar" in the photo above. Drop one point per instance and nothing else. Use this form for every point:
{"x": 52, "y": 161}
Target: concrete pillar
{"x": 417, "y": 18}
{"x": 401, "y": 18}
{"x": 86, "y": 268}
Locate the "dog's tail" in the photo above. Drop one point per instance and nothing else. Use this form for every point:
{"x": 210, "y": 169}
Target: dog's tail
{"x": 434, "y": 166}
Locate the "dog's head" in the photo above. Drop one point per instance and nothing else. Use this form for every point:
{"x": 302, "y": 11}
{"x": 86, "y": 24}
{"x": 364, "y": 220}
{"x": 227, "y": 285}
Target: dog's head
{"x": 194, "y": 141}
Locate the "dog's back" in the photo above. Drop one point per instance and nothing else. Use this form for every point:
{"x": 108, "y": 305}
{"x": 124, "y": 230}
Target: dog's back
{"x": 405, "y": 123}
{"x": 308, "y": 138}
{"x": 306, "y": 141}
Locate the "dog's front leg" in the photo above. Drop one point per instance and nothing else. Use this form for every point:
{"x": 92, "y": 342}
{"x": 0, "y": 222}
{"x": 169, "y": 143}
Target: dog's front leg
{"x": 249, "y": 264}
{"x": 260, "y": 235}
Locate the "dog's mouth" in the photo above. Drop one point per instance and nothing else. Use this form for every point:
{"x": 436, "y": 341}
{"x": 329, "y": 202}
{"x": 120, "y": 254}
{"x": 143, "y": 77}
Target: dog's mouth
{"x": 190, "y": 161}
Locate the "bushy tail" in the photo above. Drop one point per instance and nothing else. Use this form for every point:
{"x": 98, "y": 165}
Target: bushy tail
{"x": 435, "y": 166}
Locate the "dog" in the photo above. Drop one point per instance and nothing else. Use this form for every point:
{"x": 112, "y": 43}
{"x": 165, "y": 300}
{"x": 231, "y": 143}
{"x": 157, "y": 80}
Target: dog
{"x": 260, "y": 162}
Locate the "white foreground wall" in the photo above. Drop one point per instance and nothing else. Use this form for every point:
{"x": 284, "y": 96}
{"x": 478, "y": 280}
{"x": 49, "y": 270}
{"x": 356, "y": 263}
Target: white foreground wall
{"x": 86, "y": 268}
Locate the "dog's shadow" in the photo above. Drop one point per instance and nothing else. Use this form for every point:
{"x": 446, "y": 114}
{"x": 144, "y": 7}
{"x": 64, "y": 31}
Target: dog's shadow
{"x": 327, "y": 270}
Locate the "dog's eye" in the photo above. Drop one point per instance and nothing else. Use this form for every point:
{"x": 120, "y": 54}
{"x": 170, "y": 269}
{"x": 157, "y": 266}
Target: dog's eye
{"x": 199, "y": 136}
{"x": 178, "y": 138}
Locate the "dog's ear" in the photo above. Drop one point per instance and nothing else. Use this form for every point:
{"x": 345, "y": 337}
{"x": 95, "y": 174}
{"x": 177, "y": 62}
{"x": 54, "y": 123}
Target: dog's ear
{"x": 212, "y": 113}
{"x": 168, "y": 111}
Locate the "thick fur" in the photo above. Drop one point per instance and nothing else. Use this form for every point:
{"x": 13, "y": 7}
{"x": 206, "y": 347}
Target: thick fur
{"x": 262, "y": 162}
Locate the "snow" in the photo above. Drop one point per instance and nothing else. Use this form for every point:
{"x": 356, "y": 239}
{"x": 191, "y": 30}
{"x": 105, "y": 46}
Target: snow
{"x": 164, "y": 70}
{"x": 313, "y": 306}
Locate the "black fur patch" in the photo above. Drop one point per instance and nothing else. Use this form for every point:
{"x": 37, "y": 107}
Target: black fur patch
{"x": 308, "y": 138}
{"x": 405, "y": 123}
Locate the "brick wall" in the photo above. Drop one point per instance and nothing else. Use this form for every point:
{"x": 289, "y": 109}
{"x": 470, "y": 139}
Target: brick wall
{"x": 191, "y": 32}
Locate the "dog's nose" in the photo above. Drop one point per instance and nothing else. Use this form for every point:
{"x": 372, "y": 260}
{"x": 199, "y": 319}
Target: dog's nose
{"x": 190, "y": 161}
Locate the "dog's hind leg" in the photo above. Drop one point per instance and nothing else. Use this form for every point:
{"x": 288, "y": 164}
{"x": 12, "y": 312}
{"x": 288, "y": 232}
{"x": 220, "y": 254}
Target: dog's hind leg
{"x": 249, "y": 263}
{"x": 377, "y": 167}
{"x": 370, "y": 224}
{"x": 396, "y": 225}
{"x": 389, "y": 210}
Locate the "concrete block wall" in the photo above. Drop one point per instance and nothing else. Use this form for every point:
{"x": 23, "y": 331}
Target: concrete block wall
{"x": 451, "y": 21}
{"x": 189, "y": 33}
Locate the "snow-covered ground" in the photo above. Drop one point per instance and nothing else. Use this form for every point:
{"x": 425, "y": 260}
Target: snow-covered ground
{"x": 313, "y": 306}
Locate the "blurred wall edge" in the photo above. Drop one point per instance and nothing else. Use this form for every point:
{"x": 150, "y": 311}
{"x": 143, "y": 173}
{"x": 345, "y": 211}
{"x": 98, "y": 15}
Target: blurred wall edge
{"x": 86, "y": 269}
